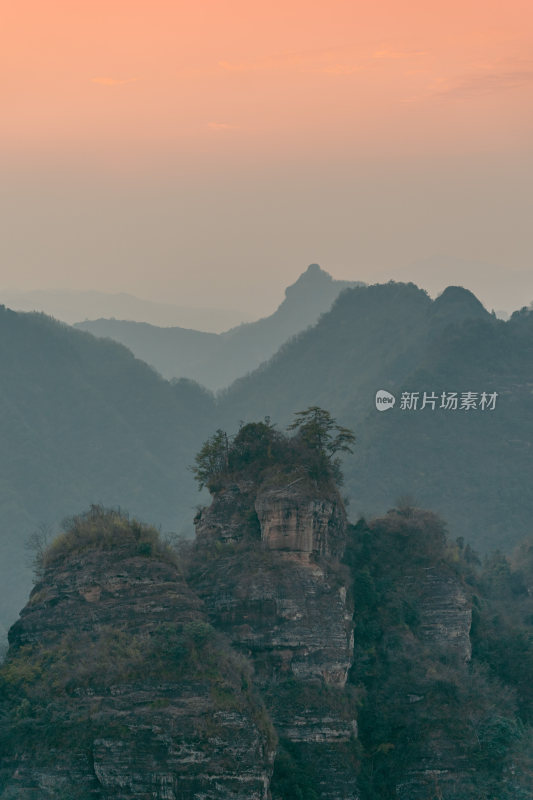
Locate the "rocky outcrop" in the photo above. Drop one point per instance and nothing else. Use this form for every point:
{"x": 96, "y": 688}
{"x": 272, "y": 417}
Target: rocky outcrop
{"x": 420, "y": 717}
{"x": 231, "y": 517}
{"x": 306, "y": 526}
{"x": 278, "y": 592}
{"x": 445, "y": 617}
{"x": 291, "y": 619}
{"x": 128, "y": 692}
{"x": 443, "y": 629}
{"x": 232, "y": 671}
{"x": 287, "y": 609}
{"x": 445, "y": 613}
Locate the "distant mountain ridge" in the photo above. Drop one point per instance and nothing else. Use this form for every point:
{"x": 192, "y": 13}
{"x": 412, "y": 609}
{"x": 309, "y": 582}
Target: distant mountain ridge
{"x": 372, "y": 334}
{"x": 74, "y": 306}
{"x": 216, "y": 361}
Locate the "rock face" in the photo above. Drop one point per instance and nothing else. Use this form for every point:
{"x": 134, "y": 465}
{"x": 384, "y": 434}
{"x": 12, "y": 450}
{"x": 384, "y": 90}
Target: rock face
{"x": 424, "y": 698}
{"x": 308, "y": 527}
{"x": 287, "y": 611}
{"x": 288, "y": 608}
{"x": 291, "y": 620}
{"x": 232, "y": 672}
{"x": 445, "y": 614}
{"x": 231, "y": 517}
{"x": 143, "y": 700}
{"x": 445, "y": 617}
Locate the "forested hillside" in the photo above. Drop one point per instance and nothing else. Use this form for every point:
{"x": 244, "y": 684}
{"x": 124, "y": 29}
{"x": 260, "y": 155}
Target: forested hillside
{"x": 475, "y": 466}
{"x": 82, "y": 420}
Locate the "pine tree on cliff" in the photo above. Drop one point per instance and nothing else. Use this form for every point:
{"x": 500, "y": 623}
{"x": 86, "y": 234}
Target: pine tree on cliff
{"x": 323, "y": 437}
{"x": 258, "y": 451}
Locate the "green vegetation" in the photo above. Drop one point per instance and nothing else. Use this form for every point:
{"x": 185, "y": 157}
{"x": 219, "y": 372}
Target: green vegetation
{"x": 420, "y": 698}
{"x": 417, "y": 698}
{"x": 292, "y": 779}
{"x": 502, "y": 623}
{"x": 473, "y": 469}
{"x": 323, "y": 437}
{"x": 260, "y": 453}
{"x": 55, "y": 688}
{"x": 103, "y": 529}
{"x": 83, "y": 421}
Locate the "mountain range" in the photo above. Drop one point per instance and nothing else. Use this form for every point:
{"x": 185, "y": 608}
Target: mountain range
{"x": 217, "y": 360}
{"x": 74, "y": 306}
{"x": 83, "y": 421}
{"x": 473, "y": 467}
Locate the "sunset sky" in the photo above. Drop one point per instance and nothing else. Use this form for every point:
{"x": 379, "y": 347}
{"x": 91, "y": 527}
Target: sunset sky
{"x": 206, "y": 152}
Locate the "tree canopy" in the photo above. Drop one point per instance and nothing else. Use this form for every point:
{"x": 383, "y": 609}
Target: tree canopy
{"x": 258, "y": 451}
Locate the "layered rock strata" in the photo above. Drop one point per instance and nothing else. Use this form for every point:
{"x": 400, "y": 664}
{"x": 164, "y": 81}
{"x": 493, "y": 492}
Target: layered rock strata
{"x": 278, "y": 592}
{"x": 130, "y": 693}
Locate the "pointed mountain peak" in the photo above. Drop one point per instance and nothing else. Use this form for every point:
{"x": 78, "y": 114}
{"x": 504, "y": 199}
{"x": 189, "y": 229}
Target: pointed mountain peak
{"x": 314, "y": 277}
{"x": 315, "y": 269}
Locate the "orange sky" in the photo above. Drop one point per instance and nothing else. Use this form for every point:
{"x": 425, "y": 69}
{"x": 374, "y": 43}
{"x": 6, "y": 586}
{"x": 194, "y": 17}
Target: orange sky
{"x": 231, "y": 77}
{"x": 214, "y": 91}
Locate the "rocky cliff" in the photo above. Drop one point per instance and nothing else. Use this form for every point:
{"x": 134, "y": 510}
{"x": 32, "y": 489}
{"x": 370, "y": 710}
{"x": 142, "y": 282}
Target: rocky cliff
{"x": 286, "y": 654}
{"x": 121, "y": 688}
{"x": 289, "y": 613}
{"x": 445, "y": 612}
{"x": 434, "y": 722}
{"x": 288, "y": 609}
{"x": 442, "y": 633}
{"x": 127, "y": 679}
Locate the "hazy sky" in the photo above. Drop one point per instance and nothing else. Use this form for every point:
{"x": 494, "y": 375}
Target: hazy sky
{"x": 206, "y": 152}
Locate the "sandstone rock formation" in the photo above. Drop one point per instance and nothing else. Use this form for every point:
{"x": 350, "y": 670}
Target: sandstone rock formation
{"x": 129, "y": 692}
{"x": 240, "y": 669}
{"x": 288, "y": 612}
{"x": 295, "y": 523}
{"x": 445, "y": 613}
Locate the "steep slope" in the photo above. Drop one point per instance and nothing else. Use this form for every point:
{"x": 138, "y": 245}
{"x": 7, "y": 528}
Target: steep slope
{"x": 278, "y": 594}
{"x": 82, "y": 421}
{"x": 371, "y": 334}
{"x": 216, "y": 360}
{"x": 173, "y": 352}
